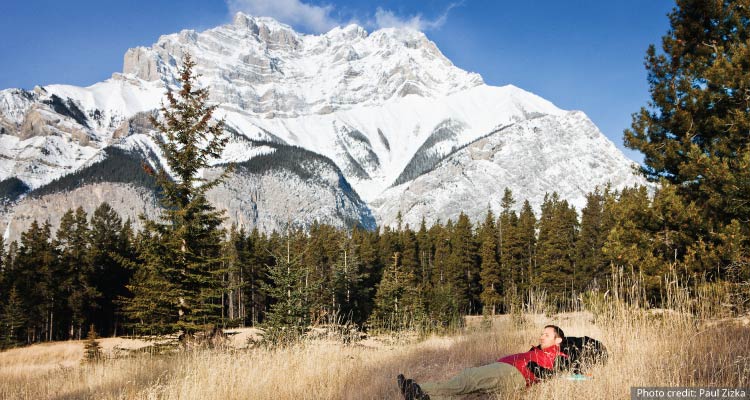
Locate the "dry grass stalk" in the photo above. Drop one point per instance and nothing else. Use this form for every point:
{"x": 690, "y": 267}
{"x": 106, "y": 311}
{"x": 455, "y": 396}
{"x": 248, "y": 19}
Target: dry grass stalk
{"x": 648, "y": 348}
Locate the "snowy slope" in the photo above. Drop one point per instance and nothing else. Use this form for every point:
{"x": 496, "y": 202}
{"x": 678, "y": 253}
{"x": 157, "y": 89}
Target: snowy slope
{"x": 395, "y": 131}
{"x": 55, "y": 130}
{"x": 565, "y": 153}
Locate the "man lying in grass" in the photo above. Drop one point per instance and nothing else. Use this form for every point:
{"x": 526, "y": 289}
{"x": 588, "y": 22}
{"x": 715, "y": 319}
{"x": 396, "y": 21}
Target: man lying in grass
{"x": 511, "y": 372}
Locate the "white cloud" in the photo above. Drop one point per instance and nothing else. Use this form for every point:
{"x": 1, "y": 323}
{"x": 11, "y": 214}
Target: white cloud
{"x": 319, "y": 19}
{"x": 387, "y": 19}
{"x": 293, "y": 12}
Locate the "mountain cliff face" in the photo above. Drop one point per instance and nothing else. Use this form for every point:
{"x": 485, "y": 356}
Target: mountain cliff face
{"x": 344, "y": 127}
{"x": 563, "y": 153}
{"x": 260, "y": 66}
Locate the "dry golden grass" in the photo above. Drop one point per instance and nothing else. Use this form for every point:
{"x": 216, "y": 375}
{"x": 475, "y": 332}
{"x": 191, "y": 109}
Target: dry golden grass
{"x": 647, "y": 349}
{"x": 681, "y": 346}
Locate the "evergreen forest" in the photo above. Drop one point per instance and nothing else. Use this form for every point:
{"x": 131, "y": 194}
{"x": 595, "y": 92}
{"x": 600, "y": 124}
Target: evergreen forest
{"x": 91, "y": 272}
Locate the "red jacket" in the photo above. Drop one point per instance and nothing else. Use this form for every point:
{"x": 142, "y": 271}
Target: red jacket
{"x": 544, "y": 357}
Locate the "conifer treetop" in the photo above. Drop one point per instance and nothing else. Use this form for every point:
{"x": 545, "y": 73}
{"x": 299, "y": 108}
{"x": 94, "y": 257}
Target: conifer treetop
{"x": 189, "y": 138}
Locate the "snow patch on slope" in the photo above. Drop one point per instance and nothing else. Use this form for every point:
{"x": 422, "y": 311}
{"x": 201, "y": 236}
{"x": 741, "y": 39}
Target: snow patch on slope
{"x": 562, "y": 153}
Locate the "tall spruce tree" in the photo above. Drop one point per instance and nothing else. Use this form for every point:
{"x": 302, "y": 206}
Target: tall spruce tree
{"x": 694, "y": 135}
{"x": 185, "y": 243}
{"x": 389, "y": 311}
{"x": 319, "y": 263}
{"x": 235, "y": 256}
{"x": 694, "y": 132}
{"x": 77, "y": 274}
{"x": 462, "y": 269}
{"x": 558, "y": 227}
{"x": 413, "y": 302}
{"x": 591, "y": 262}
{"x": 489, "y": 269}
{"x": 290, "y": 312}
{"x": 12, "y": 320}
{"x": 630, "y": 242}
{"x": 424, "y": 244}
{"x": 255, "y": 275}
{"x": 511, "y": 250}
{"x": 526, "y": 233}
{"x": 37, "y": 279}
{"x": 7, "y": 276}
{"x": 111, "y": 241}
{"x": 442, "y": 304}
{"x": 366, "y": 245}
{"x": 3, "y": 267}
{"x": 441, "y": 238}
{"x": 351, "y": 295}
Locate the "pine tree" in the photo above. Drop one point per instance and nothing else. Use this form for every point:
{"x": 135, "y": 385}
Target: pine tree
{"x": 348, "y": 277}
{"x": 389, "y": 312}
{"x": 182, "y": 264}
{"x": 319, "y": 263}
{"x": 150, "y": 306}
{"x": 3, "y": 269}
{"x": 441, "y": 238}
{"x": 8, "y": 275}
{"x": 425, "y": 246}
{"x": 72, "y": 242}
{"x": 512, "y": 250}
{"x": 38, "y": 281}
{"x": 92, "y": 347}
{"x": 413, "y": 303}
{"x": 442, "y": 303}
{"x": 12, "y": 320}
{"x": 591, "y": 262}
{"x": 237, "y": 256}
{"x": 462, "y": 269}
{"x": 387, "y": 245}
{"x": 673, "y": 224}
{"x": 111, "y": 241}
{"x": 526, "y": 233}
{"x": 630, "y": 242}
{"x": 556, "y": 247}
{"x": 490, "y": 269}
{"x": 255, "y": 272}
{"x": 652, "y": 235}
{"x": 289, "y": 315}
{"x": 694, "y": 132}
{"x": 366, "y": 245}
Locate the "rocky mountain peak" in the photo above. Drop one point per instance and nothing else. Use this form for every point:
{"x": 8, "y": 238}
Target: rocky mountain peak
{"x": 264, "y": 67}
{"x": 355, "y": 122}
{"x": 349, "y": 32}
{"x": 267, "y": 30}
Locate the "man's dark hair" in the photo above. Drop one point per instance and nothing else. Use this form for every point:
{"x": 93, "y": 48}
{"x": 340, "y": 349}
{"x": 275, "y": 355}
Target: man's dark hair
{"x": 559, "y": 332}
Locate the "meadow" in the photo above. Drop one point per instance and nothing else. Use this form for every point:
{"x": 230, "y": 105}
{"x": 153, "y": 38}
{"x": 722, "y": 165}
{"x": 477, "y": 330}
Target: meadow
{"x": 688, "y": 344}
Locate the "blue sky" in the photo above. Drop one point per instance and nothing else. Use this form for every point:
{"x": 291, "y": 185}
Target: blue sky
{"x": 581, "y": 55}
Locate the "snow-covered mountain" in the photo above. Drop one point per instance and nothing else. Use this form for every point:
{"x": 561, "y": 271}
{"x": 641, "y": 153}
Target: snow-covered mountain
{"x": 563, "y": 153}
{"x": 358, "y": 125}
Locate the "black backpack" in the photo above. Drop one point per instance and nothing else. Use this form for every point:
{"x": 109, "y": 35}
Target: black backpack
{"x": 583, "y": 352}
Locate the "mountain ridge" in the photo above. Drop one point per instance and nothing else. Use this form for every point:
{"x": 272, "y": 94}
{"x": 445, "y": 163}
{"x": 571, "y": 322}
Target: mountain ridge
{"x": 387, "y": 109}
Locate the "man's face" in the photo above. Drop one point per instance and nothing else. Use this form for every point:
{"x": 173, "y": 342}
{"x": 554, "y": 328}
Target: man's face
{"x": 549, "y": 338}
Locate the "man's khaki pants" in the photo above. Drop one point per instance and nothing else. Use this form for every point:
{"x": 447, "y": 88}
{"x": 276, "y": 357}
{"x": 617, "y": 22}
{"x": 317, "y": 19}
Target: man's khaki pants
{"x": 492, "y": 378}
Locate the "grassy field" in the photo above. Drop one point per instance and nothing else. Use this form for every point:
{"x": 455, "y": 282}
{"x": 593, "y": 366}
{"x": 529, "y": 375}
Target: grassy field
{"x": 647, "y": 349}
{"x": 687, "y": 344}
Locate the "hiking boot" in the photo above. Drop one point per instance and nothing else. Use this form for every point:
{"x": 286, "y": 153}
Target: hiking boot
{"x": 401, "y": 383}
{"x": 416, "y": 392}
{"x": 410, "y": 389}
